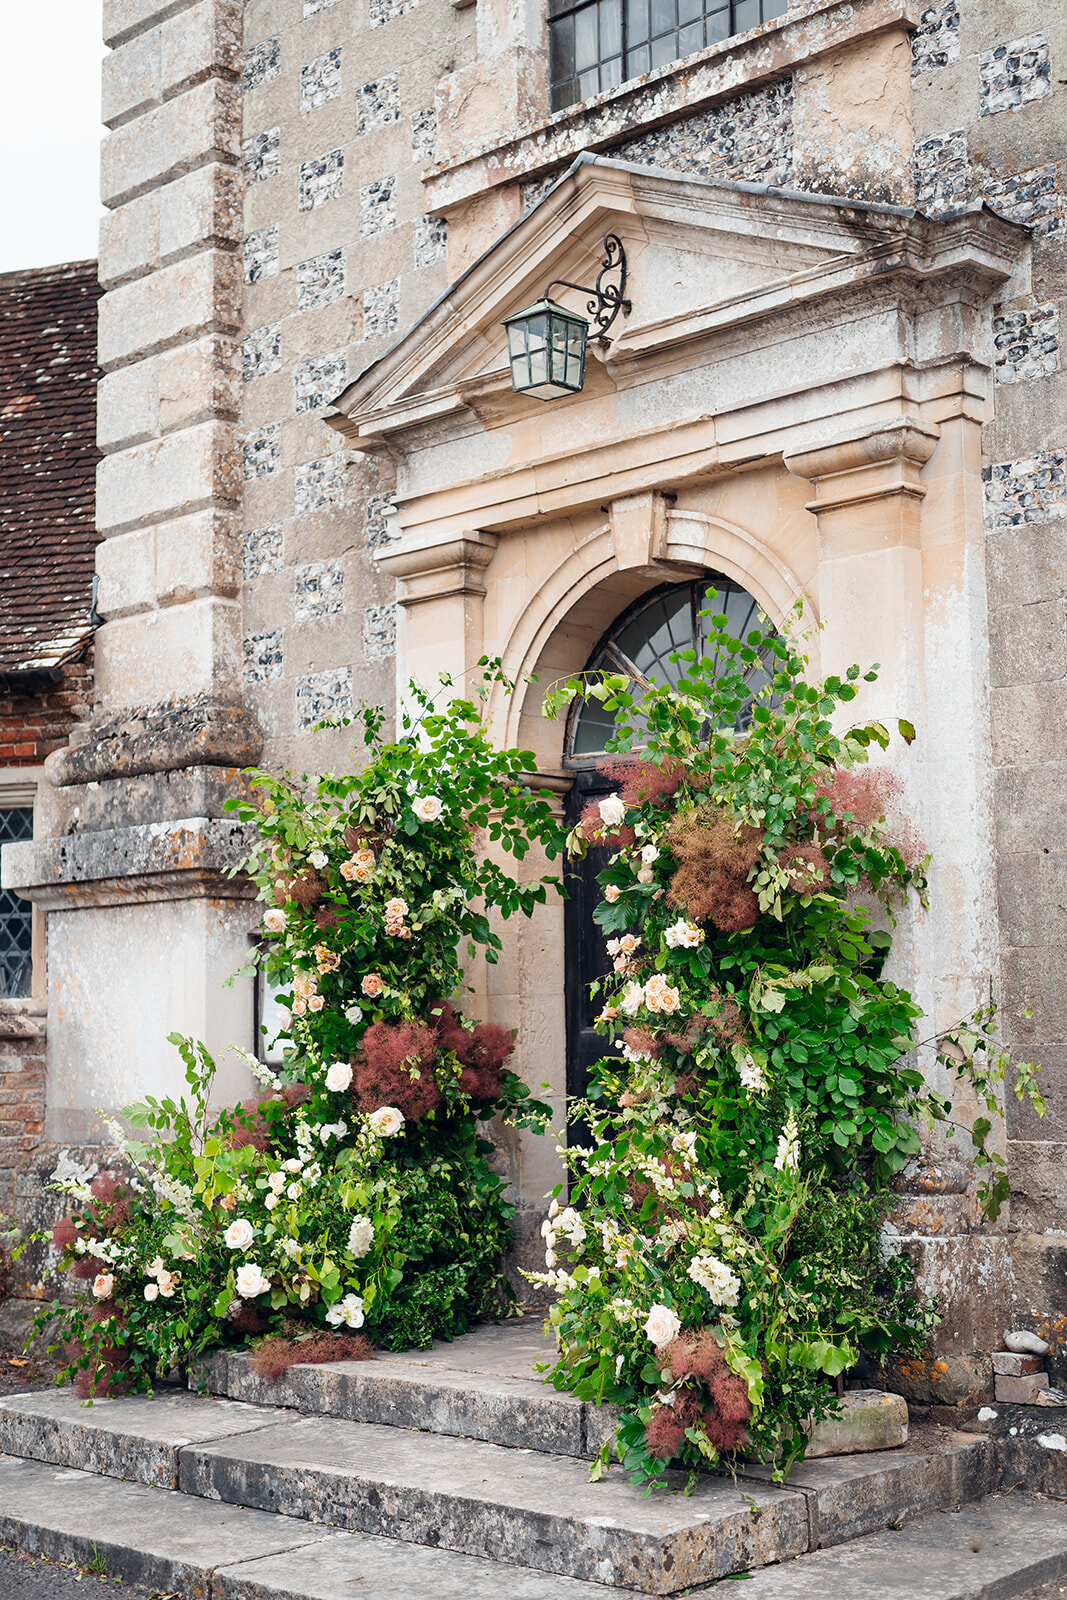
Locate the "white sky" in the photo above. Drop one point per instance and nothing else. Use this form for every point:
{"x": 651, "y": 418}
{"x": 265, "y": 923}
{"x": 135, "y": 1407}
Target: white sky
{"x": 50, "y": 54}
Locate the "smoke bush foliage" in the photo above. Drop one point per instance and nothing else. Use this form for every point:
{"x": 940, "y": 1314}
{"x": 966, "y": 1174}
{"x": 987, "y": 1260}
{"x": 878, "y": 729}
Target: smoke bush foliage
{"x": 725, "y": 1217}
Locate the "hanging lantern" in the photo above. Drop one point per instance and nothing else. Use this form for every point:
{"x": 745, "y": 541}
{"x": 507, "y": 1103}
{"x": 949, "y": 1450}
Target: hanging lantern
{"x": 546, "y": 348}
{"x": 546, "y": 342}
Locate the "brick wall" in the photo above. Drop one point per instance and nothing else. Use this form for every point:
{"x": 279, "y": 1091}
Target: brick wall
{"x": 22, "y": 1082}
{"x": 36, "y": 716}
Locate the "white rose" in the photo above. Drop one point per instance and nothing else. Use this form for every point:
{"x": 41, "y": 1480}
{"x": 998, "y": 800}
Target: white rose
{"x": 274, "y": 920}
{"x": 649, "y": 853}
{"x": 151, "y": 1291}
{"x": 353, "y": 1014}
{"x": 277, "y": 1181}
{"x": 294, "y": 1164}
{"x": 103, "y": 1284}
{"x": 270, "y": 1200}
{"x": 646, "y": 875}
{"x": 360, "y": 1236}
{"x": 662, "y": 1325}
{"x": 167, "y": 1282}
{"x": 239, "y": 1234}
{"x": 339, "y": 1076}
{"x": 350, "y": 1312}
{"x": 295, "y": 1190}
{"x": 386, "y": 1122}
{"x": 318, "y": 859}
{"x": 250, "y": 1281}
{"x": 427, "y": 808}
{"x": 611, "y": 810}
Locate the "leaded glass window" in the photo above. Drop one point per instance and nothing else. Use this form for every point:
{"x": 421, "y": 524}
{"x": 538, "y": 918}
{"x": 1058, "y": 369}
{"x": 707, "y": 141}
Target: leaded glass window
{"x": 595, "y": 44}
{"x": 643, "y": 640}
{"x": 16, "y": 914}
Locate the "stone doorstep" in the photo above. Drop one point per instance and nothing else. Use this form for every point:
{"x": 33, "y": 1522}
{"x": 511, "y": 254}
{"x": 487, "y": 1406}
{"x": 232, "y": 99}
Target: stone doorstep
{"x": 515, "y": 1505}
{"x": 483, "y": 1386}
{"x": 203, "y": 1550}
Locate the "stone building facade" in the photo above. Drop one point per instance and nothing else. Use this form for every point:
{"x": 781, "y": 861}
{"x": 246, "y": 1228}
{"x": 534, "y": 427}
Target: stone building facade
{"x": 840, "y": 383}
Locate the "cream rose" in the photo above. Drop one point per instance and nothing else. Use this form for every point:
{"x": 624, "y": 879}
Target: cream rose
{"x": 239, "y": 1234}
{"x": 103, "y": 1285}
{"x": 396, "y": 910}
{"x": 250, "y": 1281}
{"x": 662, "y": 1325}
{"x": 318, "y": 859}
{"x": 427, "y": 808}
{"x": 372, "y": 985}
{"x": 612, "y": 810}
{"x": 168, "y": 1282}
{"x": 386, "y": 1122}
{"x": 611, "y": 893}
{"x": 649, "y": 854}
{"x": 275, "y": 920}
{"x": 632, "y": 999}
{"x": 339, "y": 1076}
{"x": 315, "y": 1002}
{"x": 151, "y": 1291}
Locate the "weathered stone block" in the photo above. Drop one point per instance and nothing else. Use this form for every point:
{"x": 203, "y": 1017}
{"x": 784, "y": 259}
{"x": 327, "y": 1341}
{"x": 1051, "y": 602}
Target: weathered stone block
{"x": 1020, "y": 1391}
{"x": 160, "y": 394}
{"x": 184, "y": 650}
{"x": 1009, "y": 1364}
{"x": 1031, "y": 893}
{"x": 126, "y": 568}
{"x": 201, "y": 209}
{"x": 1027, "y": 563}
{"x": 180, "y": 472}
{"x": 870, "y": 1420}
{"x": 178, "y": 303}
{"x": 124, "y": 18}
{"x": 203, "y": 124}
{"x": 1029, "y": 724}
{"x": 204, "y": 39}
{"x": 1028, "y": 644}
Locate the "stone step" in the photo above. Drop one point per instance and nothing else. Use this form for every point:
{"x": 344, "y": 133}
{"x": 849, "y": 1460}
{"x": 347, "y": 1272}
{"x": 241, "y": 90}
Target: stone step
{"x": 176, "y": 1544}
{"x": 1001, "y": 1549}
{"x": 519, "y": 1506}
{"x": 486, "y": 1386}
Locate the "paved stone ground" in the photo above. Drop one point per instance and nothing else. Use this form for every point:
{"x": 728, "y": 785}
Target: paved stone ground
{"x": 24, "y": 1578}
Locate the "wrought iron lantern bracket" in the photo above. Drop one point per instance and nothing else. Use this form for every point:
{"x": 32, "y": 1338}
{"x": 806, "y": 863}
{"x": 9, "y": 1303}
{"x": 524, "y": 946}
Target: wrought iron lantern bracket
{"x": 606, "y": 297}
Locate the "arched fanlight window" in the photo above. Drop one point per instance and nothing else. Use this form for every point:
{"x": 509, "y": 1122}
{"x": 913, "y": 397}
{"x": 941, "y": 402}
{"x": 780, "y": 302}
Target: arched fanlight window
{"x": 642, "y": 641}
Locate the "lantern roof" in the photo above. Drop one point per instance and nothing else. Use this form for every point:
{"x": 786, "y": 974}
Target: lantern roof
{"x": 543, "y": 307}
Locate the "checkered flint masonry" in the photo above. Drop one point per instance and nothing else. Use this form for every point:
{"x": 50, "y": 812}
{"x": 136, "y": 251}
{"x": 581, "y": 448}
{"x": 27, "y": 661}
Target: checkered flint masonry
{"x": 1032, "y": 489}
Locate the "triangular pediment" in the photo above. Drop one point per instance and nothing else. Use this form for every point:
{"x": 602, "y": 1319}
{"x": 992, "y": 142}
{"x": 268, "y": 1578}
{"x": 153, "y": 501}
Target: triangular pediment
{"x": 702, "y": 256}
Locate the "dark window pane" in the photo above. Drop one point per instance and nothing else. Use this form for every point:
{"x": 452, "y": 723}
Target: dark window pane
{"x": 610, "y": 29}
{"x": 586, "y": 53}
{"x": 16, "y": 915}
{"x": 664, "y": 17}
{"x": 637, "y": 62}
{"x": 689, "y": 11}
{"x": 690, "y": 39}
{"x": 588, "y": 83}
{"x": 665, "y": 49}
{"x": 746, "y": 15}
{"x": 561, "y": 38}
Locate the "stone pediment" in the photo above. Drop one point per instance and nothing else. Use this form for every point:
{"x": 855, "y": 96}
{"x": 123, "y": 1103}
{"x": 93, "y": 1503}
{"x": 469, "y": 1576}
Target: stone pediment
{"x": 703, "y": 257}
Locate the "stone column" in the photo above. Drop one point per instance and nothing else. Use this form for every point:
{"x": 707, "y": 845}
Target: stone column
{"x": 132, "y": 845}
{"x": 901, "y": 583}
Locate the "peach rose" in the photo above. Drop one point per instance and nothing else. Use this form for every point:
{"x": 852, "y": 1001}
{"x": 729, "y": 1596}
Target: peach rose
{"x": 372, "y": 985}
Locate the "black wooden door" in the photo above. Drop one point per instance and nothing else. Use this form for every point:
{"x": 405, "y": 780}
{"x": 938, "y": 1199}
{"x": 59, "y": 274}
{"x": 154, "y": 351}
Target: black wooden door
{"x": 586, "y": 956}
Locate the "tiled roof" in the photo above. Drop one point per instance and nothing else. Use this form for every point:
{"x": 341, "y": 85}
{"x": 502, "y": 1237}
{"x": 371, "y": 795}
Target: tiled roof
{"x": 48, "y": 457}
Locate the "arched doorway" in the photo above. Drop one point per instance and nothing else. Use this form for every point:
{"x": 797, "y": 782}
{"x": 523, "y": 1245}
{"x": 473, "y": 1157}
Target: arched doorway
{"x": 640, "y": 642}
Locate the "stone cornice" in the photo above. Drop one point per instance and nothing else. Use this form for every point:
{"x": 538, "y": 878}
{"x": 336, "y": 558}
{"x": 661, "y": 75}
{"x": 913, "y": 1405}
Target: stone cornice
{"x": 186, "y": 860}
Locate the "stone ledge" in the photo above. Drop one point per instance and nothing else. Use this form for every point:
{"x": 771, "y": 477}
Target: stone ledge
{"x": 164, "y": 739}
{"x": 187, "y": 859}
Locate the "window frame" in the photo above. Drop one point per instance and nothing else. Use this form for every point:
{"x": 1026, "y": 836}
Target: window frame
{"x": 18, "y": 791}
{"x": 740, "y": 17}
